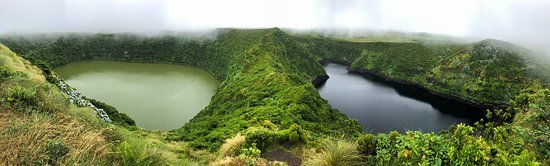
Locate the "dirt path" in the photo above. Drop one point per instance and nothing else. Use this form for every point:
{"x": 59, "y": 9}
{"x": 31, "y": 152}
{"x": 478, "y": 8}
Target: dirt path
{"x": 282, "y": 155}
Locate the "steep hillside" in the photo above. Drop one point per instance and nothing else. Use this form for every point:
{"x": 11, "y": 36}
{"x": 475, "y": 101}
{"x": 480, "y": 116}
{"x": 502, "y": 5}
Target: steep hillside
{"x": 269, "y": 84}
{"x": 266, "y": 77}
{"x": 487, "y": 73}
{"x": 40, "y": 125}
{"x": 54, "y": 51}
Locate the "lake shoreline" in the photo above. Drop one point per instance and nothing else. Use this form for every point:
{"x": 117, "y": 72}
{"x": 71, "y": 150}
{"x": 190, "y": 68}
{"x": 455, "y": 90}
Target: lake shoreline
{"x": 364, "y": 72}
{"x": 156, "y": 96}
{"x": 381, "y": 106}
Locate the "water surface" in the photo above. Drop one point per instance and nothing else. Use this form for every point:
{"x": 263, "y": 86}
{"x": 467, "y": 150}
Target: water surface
{"x": 381, "y": 106}
{"x": 156, "y": 96}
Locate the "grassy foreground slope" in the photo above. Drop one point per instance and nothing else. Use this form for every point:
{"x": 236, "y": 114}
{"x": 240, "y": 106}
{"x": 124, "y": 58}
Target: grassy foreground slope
{"x": 39, "y": 126}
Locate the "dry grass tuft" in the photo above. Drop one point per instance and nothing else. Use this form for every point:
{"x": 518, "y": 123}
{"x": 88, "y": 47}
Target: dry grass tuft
{"x": 39, "y": 139}
{"x": 341, "y": 152}
{"x": 232, "y": 146}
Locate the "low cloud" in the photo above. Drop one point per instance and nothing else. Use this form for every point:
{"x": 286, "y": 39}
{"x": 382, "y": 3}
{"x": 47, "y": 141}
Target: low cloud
{"x": 520, "y": 21}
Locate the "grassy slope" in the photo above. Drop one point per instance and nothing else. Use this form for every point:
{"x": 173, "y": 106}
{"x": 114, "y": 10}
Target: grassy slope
{"x": 32, "y": 125}
{"x": 487, "y": 73}
{"x": 266, "y": 77}
{"x": 270, "y": 82}
{"x": 39, "y": 126}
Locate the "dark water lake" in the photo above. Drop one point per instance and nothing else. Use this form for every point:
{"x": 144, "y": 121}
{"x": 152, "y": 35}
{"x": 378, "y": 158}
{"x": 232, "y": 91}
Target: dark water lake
{"x": 382, "y": 106}
{"x": 156, "y": 96}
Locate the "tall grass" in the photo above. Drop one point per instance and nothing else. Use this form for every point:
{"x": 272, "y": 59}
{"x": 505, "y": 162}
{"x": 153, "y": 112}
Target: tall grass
{"x": 18, "y": 64}
{"x": 40, "y": 139}
{"x": 336, "y": 153}
{"x": 136, "y": 153}
{"x": 37, "y": 126}
{"x": 232, "y": 146}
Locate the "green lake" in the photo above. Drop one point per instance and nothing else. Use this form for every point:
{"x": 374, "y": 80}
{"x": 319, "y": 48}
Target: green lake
{"x": 156, "y": 96}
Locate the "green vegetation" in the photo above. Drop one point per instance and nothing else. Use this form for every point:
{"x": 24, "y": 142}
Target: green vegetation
{"x": 487, "y": 73}
{"x": 267, "y": 101}
{"x": 270, "y": 81}
{"x": 41, "y": 127}
{"x": 116, "y": 117}
{"x": 269, "y": 78}
{"x": 341, "y": 152}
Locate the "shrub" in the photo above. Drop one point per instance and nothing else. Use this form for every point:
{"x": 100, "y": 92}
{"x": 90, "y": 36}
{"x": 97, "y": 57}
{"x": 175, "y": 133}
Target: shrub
{"x": 232, "y": 146}
{"x": 7, "y": 73}
{"x": 293, "y": 137}
{"x": 341, "y": 152}
{"x": 367, "y": 144}
{"x": 251, "y": 152}
{"x": 295, "y": 134}
{"x": 417, "y": 148}
{"x": 49, "y": 99}
{"x": 466, "y": 148}
{"x": 393, "y": 135}
{"x": 248, "y": 156}
{"x": 55, "y": 150}
{"x": 135, "y": 153}
{"x": 21, "y": 96}
{"x": 264, "y": 137}
{"x": 116, "y": 117}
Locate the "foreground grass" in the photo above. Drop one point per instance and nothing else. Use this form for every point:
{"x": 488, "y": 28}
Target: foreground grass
{"x": 40, "y": 139}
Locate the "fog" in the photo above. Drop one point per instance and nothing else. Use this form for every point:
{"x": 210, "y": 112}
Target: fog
{"x": 521, "y": 21}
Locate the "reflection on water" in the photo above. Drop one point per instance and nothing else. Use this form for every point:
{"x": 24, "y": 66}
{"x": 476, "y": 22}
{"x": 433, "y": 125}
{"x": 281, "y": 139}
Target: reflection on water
{"x": 380, "y": 106}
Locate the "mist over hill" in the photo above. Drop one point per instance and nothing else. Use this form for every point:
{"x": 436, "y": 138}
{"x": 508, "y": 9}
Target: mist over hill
{"x": 519, "y": 22}
{"x": 491, "y": 56}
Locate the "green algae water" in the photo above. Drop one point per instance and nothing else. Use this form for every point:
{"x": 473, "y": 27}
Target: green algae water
{"x": 156, "y": 96}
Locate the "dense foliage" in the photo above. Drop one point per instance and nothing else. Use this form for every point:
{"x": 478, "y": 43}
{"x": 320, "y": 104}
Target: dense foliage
{"x": 267, "y": 77}
{"x": 487, "y": 73}
{"x": 267, "y": 96}
{"x": 116, "y": 117}
{"x": 59, "y": 50}
{"x": 270, "y": 82}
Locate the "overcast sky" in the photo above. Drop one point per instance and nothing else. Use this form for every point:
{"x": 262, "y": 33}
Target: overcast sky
{"x": 501, "y": 19}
